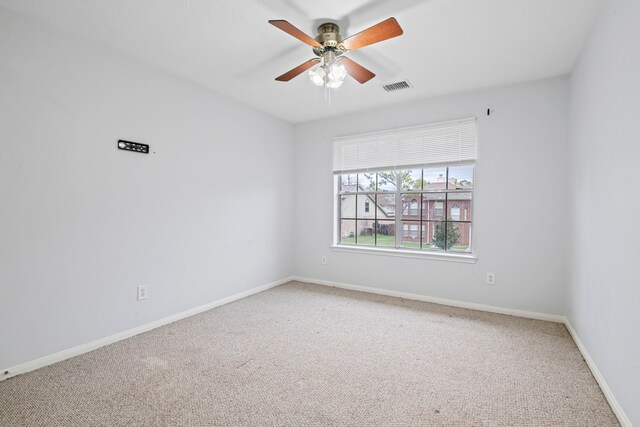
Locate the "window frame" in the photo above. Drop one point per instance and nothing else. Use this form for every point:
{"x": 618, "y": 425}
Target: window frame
{"x": 399, "y": 249}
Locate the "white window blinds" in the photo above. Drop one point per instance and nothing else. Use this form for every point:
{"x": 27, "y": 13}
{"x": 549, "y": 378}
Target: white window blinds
{"x": 445, "y": 142}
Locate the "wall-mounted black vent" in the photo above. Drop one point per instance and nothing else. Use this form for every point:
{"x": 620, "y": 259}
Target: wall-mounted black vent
{"x": 397, "y": 86}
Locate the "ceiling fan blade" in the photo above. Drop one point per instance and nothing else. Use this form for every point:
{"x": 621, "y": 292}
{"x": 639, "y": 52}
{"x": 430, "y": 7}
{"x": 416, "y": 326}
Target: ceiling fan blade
{"x": 298, "y": 70}
{"x": 295, "y": 32}
{"x": 382, "y": 31}
{"x": 356, "y": 70}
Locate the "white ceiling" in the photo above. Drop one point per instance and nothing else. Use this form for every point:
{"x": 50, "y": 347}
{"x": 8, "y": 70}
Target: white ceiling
{"x": 448, "y": 46}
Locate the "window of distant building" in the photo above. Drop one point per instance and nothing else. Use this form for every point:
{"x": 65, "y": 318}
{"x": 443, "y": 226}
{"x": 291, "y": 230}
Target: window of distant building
{"x": 438, "y": 208}
{"x": 413, "y": 207}
{"x": 455, "y": 213}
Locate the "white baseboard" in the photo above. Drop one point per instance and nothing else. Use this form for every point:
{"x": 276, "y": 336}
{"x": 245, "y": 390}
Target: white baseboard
{"x": 443, "y": 301}
{"x": 615, "y": 406}
{"x": 84, "y": 348}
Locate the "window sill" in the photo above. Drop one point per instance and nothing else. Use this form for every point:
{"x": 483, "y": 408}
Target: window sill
{"x": 407, "y": 253}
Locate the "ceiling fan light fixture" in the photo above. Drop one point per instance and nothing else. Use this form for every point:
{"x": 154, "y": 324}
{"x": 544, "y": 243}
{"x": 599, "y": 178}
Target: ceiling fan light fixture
{"x": 331, "y": 75}
{"x": 334, "y": 84}
{"x": 317, "y": 75}
{"x": 337, "y": 73}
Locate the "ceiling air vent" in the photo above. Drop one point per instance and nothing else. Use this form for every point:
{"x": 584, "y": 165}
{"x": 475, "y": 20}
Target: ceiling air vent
{"x": 397, "y": 86}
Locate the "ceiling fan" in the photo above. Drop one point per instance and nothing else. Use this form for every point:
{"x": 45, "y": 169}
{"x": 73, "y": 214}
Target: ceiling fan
{"x": 329, "y": 46}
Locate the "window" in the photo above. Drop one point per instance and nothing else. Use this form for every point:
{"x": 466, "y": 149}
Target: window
{"x": 430, "y": 205}
{"x": 413, "y": 207}
{"x": 431, "y": 230}
{"x": 455, "y": 212}
{"x": 410, "y": 230}
{"x": 438, "y": 209}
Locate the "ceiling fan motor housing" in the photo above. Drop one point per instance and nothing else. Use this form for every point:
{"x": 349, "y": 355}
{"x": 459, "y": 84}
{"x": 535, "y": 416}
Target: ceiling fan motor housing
{"x": 328, "y": 37}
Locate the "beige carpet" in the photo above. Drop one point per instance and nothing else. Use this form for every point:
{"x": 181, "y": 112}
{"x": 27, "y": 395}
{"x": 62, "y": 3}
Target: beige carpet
{"x": 302, "y": 354}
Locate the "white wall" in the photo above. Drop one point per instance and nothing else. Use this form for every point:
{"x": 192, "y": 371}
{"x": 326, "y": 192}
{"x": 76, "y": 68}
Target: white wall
{"x": 520, "y": 228}
{"x": 207, "y": 215}
{"x": 603, "y": 301}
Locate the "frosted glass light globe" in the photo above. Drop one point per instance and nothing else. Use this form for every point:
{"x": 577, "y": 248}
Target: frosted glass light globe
{"x": 317, "y": 76}
{"x": 337, "y": 73}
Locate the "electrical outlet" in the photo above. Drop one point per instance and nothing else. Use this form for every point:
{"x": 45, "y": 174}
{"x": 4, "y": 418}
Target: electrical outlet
{"x": 323, "y": 259}
{"x": 143, "y": 292}
{"x": 491, "y": 278}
